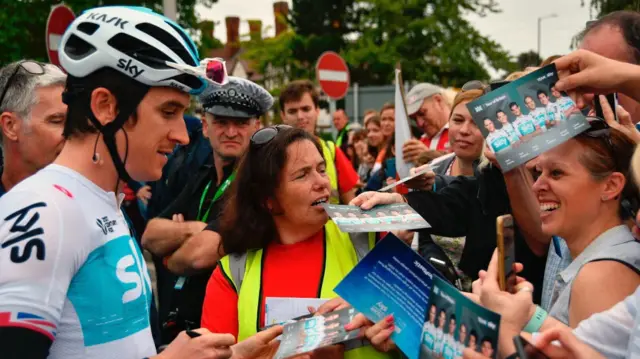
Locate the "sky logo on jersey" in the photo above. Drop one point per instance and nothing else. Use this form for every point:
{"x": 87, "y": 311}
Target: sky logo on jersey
{"x": 28, "y": 321}
{"x": 25, "y": 230}
{"x": 117, "y": 274}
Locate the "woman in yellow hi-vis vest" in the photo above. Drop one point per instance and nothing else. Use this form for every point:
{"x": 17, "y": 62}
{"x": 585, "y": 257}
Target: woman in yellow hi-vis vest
{"x": 278, "y": 237}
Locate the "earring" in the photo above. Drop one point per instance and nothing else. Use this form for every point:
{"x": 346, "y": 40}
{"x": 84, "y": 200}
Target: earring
{"x": 96, "y": 158}
{"x": 604, "y": 198}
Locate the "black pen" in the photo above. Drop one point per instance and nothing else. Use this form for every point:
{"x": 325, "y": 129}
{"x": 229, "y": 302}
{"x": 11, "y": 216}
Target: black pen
{"x": 193, "y": 334}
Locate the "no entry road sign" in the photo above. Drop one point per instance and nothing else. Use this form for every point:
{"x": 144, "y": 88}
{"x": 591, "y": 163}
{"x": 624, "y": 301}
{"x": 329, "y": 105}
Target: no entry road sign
{"x": 59, "y": 19}
{"x": 332, "y": 73}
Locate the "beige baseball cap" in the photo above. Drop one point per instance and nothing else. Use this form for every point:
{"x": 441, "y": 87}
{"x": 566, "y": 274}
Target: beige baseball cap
{"x": 418, "y": 93}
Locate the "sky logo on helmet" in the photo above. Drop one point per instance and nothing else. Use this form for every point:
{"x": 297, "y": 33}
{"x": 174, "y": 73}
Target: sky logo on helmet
{"x": 114, "y": 20}
{"x": 127, "y": 66}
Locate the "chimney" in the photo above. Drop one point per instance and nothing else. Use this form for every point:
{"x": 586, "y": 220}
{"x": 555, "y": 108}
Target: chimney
{"x": 255, "y": 29}
{"x": 233, "y": 35}
{"x": 281, "y": 13}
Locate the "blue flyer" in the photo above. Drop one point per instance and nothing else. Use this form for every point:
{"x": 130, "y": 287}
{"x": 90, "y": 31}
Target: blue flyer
{"x": 392, "y": 279}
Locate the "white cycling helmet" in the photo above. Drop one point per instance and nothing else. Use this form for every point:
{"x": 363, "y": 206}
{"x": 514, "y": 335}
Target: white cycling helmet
{"x": 147, "y": 47}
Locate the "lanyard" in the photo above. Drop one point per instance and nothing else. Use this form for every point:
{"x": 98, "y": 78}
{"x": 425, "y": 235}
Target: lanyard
{"x": 223, "y": 187}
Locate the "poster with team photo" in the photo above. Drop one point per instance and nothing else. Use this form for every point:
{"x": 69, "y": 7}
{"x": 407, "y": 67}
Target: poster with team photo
{"x": 392, "y": 279}
{"x": 454, "y": 323}
{"x": 527, "y": 117}
{"x": 352, "y": 219}
{"x": 316, "y": 332}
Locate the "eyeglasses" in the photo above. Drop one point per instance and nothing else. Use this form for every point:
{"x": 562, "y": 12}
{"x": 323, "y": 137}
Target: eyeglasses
{"x": 32, "y": 67}
{"x": 215, "y": 70}
{"x": 267, "y": 134}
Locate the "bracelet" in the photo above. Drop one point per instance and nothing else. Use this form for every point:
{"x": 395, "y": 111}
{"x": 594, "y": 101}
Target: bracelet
{"x": 513, "y": 356}
{"x": 535, "y": 323}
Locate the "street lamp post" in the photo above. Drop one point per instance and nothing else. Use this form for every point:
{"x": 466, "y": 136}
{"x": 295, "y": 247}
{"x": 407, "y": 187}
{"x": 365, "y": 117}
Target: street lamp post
{"x": 550, "y": 16}
{"x": 169, "y": 7}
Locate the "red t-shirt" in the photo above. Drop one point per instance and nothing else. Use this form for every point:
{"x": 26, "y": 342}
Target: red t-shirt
{"x": 347, "y": 176}
{"x": 291, "y": 270}
{"x": 439, "y": 142}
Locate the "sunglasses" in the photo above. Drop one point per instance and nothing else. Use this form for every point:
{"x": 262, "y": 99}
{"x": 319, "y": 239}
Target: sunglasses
{"x": 601, "y": 130}
{"x": 215, "y": 70}
{"x": 267, "y": 134}
{"x": 31, "y": 67}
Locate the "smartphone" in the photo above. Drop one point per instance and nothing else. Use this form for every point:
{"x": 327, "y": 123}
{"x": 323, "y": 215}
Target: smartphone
{"x": 612, "y": 99}
{"x": 527, "y": 350}
{"x": 506, "y": 252}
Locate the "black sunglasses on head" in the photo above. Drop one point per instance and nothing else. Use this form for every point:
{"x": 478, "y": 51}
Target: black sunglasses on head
{"x": 599, "y": 129}
{"x": 32, "y": 67}
{"x": 267, "y": 134}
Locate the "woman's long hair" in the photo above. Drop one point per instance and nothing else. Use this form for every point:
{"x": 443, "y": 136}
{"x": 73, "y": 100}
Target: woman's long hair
{"x": 247, "y": 222}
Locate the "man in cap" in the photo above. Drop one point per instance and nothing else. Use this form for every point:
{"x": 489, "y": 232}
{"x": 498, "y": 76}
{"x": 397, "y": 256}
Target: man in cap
{"x": 428, "y": 106}
{"x": 178, "y": 235}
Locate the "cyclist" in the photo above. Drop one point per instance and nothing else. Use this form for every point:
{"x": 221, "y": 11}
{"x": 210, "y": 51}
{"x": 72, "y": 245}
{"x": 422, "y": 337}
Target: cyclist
{"x": 73, "y": 282}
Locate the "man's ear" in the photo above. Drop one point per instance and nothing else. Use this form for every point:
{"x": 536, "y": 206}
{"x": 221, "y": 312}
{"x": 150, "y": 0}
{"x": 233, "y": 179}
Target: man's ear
{"x": 104, "y": 105}
{"x": 613, "y": 186}
{"x": 10, "y": 124}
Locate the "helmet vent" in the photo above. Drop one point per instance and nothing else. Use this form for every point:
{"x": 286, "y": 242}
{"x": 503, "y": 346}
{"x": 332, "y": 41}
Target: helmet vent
{"x": 167, "y": 39}
{"x": 88, "y": 27}
{"x": 186, "y": 39}
{"x": 76, "y": 48}
{"x": 139, "y": 50}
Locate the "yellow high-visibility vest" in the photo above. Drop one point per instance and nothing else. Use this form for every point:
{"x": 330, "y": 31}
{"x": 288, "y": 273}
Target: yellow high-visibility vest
{"x": 342, "y": 253}
{"x": 329, "y": 153}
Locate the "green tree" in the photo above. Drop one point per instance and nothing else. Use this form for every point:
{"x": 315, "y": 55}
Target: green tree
{"x": 530, "y": 58}
{"x": 603, "y": 7}
{"x": 431, "y": 38}
{"x": 24, "y": 21}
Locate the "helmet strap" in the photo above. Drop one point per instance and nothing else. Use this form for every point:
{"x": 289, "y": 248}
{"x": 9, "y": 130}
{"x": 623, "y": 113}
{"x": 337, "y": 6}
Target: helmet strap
{"x": 126, "y": 107}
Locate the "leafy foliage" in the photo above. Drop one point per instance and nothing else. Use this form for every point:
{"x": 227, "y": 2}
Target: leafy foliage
{"x": 530, "y": 58}
{"x": 24, "y": 21}
{"x": 603, "y": 7}
{"x": 431, "y": 38}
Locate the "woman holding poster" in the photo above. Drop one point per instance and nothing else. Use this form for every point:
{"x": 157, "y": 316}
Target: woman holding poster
{"x": 278, "y": 237}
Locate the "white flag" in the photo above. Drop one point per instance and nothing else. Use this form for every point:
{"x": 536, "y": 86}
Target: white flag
{"x": 403, "y": 132}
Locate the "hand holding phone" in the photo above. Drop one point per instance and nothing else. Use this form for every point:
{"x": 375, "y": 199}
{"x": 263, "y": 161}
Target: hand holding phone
{"x": 612, "y": 99}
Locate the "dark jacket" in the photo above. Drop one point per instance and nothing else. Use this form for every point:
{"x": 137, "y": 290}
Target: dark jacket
{"x": 188, "y": 300}
{"x": 469, "y": 206}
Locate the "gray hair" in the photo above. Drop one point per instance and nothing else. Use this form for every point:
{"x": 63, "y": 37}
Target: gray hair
{"x": 21, "y": 96}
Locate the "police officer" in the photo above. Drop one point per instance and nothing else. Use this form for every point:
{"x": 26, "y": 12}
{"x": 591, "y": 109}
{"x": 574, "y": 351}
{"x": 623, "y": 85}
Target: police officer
{"x": 178, "y": 234}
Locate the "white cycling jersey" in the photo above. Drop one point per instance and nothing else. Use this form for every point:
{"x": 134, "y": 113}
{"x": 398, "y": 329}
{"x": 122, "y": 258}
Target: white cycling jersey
{"x": 69, "y": 268}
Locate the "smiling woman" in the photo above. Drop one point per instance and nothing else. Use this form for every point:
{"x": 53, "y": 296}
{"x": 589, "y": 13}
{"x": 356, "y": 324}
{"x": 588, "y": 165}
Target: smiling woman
{"x": 586, "y": 193}
{"x": 278, "y": 237}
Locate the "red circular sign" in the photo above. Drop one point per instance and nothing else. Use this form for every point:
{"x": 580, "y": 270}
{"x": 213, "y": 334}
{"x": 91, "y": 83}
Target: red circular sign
{"x": 333, "y": 75}
{"x": 59, "y": 19}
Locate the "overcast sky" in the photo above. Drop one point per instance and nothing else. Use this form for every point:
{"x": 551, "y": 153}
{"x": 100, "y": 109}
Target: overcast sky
{"x": 515, "y": 27}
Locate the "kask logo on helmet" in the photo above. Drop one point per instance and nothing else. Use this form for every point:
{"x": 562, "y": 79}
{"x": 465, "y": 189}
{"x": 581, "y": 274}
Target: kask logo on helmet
{"x": 114, "y": 20}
